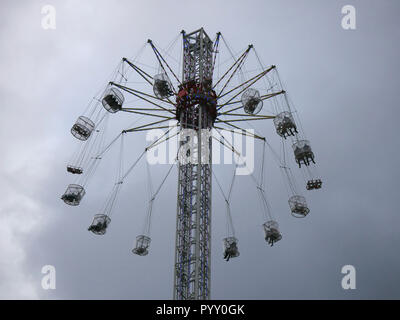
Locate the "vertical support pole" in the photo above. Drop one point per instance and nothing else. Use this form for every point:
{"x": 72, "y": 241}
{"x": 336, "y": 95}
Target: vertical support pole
{"x": 193, "y": 228}
{"x": 198, "y": 205}
{"x": 199, "y": 176}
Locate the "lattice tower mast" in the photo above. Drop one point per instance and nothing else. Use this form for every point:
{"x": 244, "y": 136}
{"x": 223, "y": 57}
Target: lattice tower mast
{"x": 196, "y": 113}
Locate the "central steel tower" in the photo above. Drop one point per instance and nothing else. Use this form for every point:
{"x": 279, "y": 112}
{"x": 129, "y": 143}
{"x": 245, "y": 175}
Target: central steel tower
{"x": 196, "y": 113}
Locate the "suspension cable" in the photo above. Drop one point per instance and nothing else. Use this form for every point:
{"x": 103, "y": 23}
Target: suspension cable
{"x": 232, "y": 55}
{"x": 152, "y": 197}
{"x": 229, "y": 221}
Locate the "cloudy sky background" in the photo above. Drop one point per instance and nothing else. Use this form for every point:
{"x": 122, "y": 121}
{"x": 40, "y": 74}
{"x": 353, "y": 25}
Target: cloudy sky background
{"x": 344, "y": 84}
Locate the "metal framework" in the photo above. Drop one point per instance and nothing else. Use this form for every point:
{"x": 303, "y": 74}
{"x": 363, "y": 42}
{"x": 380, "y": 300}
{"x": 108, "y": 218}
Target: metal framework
{"x": 197, "y": 107}
{"x": 193, "y": 225}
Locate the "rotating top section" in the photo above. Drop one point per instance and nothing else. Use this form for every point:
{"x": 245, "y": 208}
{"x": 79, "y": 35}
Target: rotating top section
{"x": 188, "y": 100}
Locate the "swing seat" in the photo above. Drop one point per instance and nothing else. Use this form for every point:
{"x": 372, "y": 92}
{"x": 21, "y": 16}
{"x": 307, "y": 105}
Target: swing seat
{"x": 284, "y": 125}
{"x": 303, "y": 153}
{"x": 272, "y": 234}
{"x": 83, "y": 128}
{"x": 73, "y": 195}
{"x": 74, "y": 170}
{"x": 162, "y": 87}
{"x": 142, "y": 245}
{"x": 113, "y": 100}
{"x": 314, "y": 184}
{"x": 298, "y": 206}
{"x": 99, "y": 224}
{"x": 230, "y": 248}
{"x": 252, "y": 103}
{"x": 140, "y": 251}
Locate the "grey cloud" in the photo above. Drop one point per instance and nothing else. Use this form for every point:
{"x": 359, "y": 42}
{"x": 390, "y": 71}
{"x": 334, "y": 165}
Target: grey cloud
{"x": 344, "y": 85}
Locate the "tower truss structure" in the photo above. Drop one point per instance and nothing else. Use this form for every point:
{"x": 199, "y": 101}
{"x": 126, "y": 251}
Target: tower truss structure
{"x": 193, "y": 225}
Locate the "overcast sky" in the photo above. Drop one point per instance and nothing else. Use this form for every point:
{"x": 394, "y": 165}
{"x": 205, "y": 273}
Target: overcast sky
{"x": 344, "y": 84}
